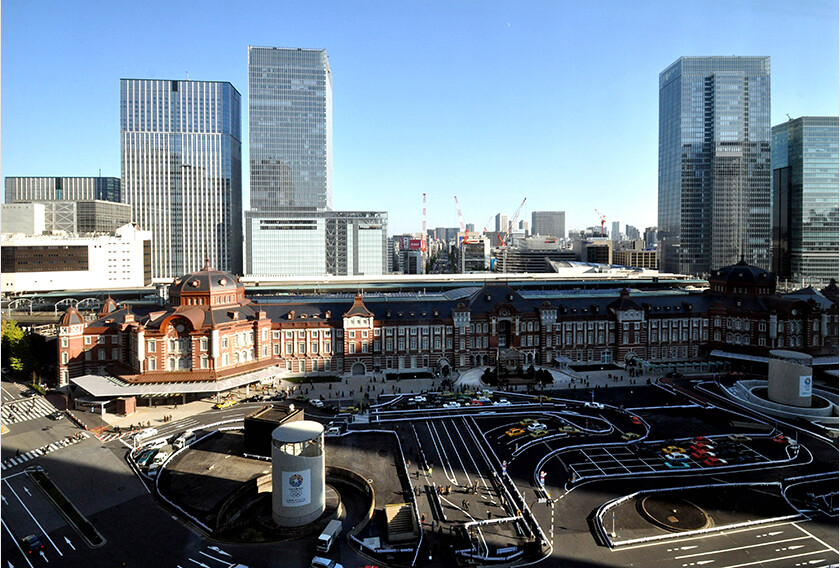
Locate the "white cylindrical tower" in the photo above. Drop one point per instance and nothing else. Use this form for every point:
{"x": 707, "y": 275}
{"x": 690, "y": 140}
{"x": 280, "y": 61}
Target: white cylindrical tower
{"x": 789, "y": 378}
{"x": 298, "y": 484}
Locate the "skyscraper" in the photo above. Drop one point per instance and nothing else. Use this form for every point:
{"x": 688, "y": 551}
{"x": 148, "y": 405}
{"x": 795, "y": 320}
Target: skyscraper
{"x": 501, "y": 223}
{"x": 291, "y": 229}
{"x": 548, "y": 223}
{"x": 806, "y": 173}
{"x": 290, "y": 129}
{"x": 714, "y": 163}
{"x": 182, "y": 171}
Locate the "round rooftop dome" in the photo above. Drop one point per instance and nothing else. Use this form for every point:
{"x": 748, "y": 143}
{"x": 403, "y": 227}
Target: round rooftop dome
{"x": 742, "y": 273}
{"x": 742, "y": 278}
{"x": 207, "y": 282}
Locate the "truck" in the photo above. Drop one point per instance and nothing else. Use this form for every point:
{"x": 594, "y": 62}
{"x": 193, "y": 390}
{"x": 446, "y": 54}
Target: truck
{"x": 330, "y": 535}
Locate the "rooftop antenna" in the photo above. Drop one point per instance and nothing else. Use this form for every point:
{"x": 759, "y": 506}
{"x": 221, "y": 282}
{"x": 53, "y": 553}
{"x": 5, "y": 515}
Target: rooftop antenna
{"x": 789, "y": 118}
{"x": 188, "y": 75}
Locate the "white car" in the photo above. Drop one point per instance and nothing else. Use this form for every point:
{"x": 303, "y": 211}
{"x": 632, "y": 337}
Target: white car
{"x": 419, "y": 399}
{"x": 452, "y": 405}
{"x": 320, "y": 562}
{"x": 317, "y": 403}
{"x": 501, "y": 402}
{"x": 537, "y": 427}
{"x": 597, "y": 405}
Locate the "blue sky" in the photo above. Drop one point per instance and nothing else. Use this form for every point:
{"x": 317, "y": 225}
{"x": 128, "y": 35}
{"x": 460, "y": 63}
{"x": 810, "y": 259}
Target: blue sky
{"x": 491, "y": 101}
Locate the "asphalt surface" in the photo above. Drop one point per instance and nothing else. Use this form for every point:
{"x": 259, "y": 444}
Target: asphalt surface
{"x": 464, "y": 447}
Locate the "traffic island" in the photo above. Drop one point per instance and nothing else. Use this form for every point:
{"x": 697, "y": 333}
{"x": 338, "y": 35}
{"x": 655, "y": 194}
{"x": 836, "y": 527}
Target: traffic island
{"x": 69, "y": 511}
{"x": 655, "y": 515}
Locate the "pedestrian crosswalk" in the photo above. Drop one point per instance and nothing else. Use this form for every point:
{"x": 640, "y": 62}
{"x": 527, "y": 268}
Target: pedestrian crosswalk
{"x": 23, "y": 410}
{"x": 44, "y": 450}
{"x": 108, "y": 436}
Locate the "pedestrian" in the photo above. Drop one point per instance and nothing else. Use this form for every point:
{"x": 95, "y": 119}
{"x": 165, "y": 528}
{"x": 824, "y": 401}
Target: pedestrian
{"x": 488, "y": 514}
{"x": 422, "y": 518}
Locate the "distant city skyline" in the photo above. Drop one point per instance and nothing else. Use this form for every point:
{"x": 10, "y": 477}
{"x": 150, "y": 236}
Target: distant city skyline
{"x": 553, "y": 102}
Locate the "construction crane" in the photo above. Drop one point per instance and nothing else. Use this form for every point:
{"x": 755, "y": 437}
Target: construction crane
{"x": 487, "y": 224}
{"x": 423, "y": 246}
{"x": 603, "y": 223}
{"x": 515, "y": 216}
{"x": 460, "y": 217}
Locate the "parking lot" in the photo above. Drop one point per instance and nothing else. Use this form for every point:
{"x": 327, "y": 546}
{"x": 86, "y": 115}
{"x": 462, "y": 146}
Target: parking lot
{"x": 670, "y": 456}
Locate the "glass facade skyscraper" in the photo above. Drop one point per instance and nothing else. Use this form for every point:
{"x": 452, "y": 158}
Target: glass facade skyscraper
{"x": 714, "y": 163}
{"x": 549, "y": 223}
{"x": 182, "y": 171}
{"x": 806, "y": 174}
{"x": 290, "y": 129}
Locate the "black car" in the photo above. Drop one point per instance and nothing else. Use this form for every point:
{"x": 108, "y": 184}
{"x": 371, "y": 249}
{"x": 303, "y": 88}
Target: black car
{"x": 31, "y": 544}
{"x": 57, "y": 415}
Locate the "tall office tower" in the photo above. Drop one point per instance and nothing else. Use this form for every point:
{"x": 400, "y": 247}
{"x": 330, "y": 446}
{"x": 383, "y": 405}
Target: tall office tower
{"x": 501, "y": 222}
{"x": 549, "y": 223}
{"x": 714, "y": 163}
{"x": 20, "y": 189}
{"x": 290, "y": 129}
{"x": 631, "y": 232}
{"x": 616, "y": 231}
{"x": 182, "y": 171}
{"x": 806, "y": 173}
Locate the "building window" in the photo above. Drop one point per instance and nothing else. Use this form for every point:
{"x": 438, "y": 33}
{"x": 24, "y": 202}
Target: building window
{"x": 88, "y": 340}
{"x": 364, "y": 334}
{"x": 326, "y": 347}
{"x": 65, "y": 358}
{"x": 313, "y": 347}
{"x": 204, "y": 362}
{"x": 301, "y": 347}
{"x": 224, "y": 343}
{"x": 203, "y": 343}
{"x": 352, "y": 348}
{"x": 351, "y": 334}
{"x": 225, "y": 359}
{"x": 289, "y": 348}
{"x": 151, "y": 364}
{"x": 276, "y": 349}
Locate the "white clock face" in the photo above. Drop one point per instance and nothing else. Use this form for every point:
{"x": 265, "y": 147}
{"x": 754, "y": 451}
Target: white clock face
{"x": 504, "y": 312}
{"x": 180, "y": 327}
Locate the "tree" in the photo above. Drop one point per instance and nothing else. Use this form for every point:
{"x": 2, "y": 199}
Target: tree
{"x": 13, "y": 339}
{"x": 24, "y": 352}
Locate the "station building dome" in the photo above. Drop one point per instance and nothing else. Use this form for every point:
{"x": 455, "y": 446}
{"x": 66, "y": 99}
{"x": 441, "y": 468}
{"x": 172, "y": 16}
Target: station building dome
{"x": 742, "y": 278}
{"x": 207, "y": 288}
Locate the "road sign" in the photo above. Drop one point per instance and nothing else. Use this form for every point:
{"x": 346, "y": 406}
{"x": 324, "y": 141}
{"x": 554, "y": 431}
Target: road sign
{"x": 542, "y": 477}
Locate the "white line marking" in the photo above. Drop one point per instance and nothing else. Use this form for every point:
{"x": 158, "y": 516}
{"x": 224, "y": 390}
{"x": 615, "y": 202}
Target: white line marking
{"x": 739, "y": 548}
{"x": 774, "y": 559}
{"x": 217, "y": 559}
{"x": 22, "y": 553}
{"x": 31, "y": 515}
{"x": 834, "y": 550}
{"x": 710, "y": 535}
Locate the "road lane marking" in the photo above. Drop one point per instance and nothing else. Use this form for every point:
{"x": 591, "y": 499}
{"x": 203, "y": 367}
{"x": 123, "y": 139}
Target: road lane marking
{"x": 16, "y": 544}
{"x": 31, "y": 515}
{"x": 761, "y": 562}
{"x": 834, "y": 550}
{"x": 703, "y": 536}
{"x": 739, "y": 548}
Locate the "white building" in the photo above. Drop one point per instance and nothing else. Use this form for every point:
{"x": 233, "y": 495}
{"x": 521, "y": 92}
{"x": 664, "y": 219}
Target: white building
{"x": 23, "y": 219}
{"x": 45, "y": 263}
{"x": 339, "y": 243}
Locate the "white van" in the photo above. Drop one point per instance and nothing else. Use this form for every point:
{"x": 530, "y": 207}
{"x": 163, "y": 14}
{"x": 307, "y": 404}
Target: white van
{"x": 330, "y": 535}
{"x": 144, "y": 435}
{"x": 185, "y": 439}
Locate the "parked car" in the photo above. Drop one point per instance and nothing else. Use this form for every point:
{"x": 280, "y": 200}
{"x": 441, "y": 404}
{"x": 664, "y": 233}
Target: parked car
{"x": 676, "y": 456}
{"x": 452, "y": 404}
{"x": 673, "y": 450}
{"x": 712, "y": 461}
{"x": 628, "y": 436}
{"x": 635, "y": 420}
{"x": 677, "y": 465}
{"x": 321, "y": 562}
{"x": 538, "y": 433}
{"x": 537, "y": 426}
{"x": 526, "y": 421}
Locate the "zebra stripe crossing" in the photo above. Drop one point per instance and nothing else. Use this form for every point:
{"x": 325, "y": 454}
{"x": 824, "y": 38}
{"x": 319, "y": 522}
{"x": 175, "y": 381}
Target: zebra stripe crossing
{"x": 44, "y": 450}
{"x": 24, "y": 410}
